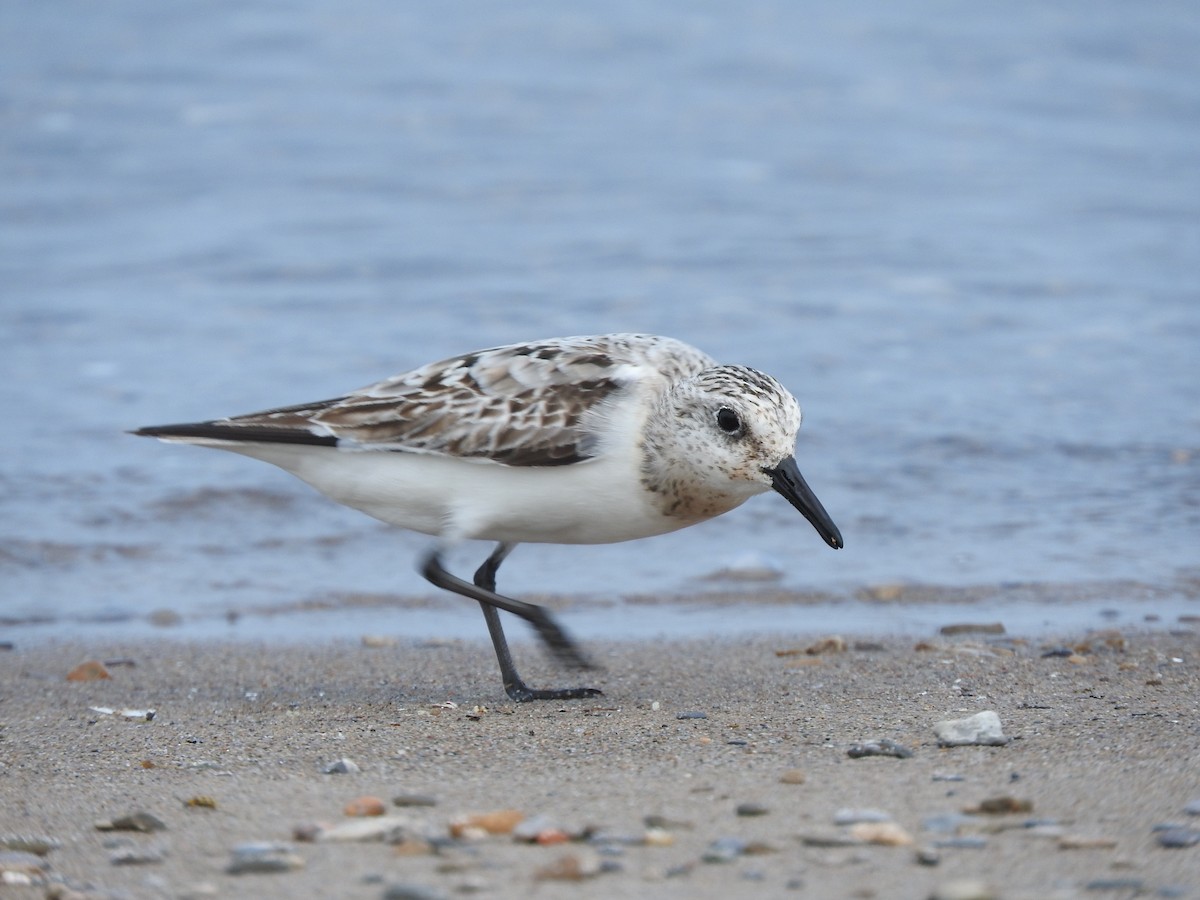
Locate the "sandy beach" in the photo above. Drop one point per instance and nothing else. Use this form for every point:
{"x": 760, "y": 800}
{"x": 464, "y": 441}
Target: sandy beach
{"x": 707, "y": 769}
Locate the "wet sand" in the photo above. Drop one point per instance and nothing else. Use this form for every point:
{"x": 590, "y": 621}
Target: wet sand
{"x": 1103, "y": 745}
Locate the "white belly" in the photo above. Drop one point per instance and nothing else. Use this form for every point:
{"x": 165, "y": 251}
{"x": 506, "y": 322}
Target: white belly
{"x": 594, "y": 502}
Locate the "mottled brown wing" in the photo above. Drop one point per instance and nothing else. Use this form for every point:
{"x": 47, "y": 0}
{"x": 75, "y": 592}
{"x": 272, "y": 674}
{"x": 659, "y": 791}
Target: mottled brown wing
{"x": 515, "y": 409}
{"x": 521, "y": 405}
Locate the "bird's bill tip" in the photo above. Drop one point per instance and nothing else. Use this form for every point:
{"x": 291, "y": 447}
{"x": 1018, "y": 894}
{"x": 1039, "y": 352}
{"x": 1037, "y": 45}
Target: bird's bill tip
{"x": 787, "y": 480}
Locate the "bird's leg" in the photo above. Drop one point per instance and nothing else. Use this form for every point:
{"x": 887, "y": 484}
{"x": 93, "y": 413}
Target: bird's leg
{"x": 484, "y": 591}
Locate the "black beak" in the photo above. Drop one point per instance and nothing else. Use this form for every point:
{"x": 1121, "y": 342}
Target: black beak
{"x": 787, "y": 480}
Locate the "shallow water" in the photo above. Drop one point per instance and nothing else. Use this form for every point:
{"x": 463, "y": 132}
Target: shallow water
{"x": 967, "y": 238}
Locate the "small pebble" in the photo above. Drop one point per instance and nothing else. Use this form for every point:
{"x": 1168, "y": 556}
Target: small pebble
{"x": 964, "y": 889}
{"x": 1085, "y": 842}
{"x": 869, "y": 647}
{"x": 792, "y": 776}
{"x": 1176, "y": 838}
{"x": 1193, "y": 808}
{"x": 981, "y": 729}
{"x": 137, "y": 856}
{"x": 377, "y": 641}
{"x": 942, "y": 776}
{"x": 833, "y": 644}
{"x": 656, "y": 821}
{"x": 854, "y": 816}
{"x": 414, "y": 800}
{"x": 139, "y": 821}
{"x": 964, "y": 842}
{"x": 341, "y": 766}
{"x": 658, "y": 837}
{"x": 723, "y": 850}
{"x": 945, "y": 822}
{"x": 887, "y": 834}
{"x": 972, "y": 628}
{"x": 573, "y": 867}
{"x": 501, "y": 821}
{"x": 365, "y": 806}
{"x": 882, "y": 747}
{"x": 829, "y": 839}
{"x": 751, "y": 809}
{"x": 132, "y": 715}
{"x": 691, "y": 715}
{"x": 928, "y": 856}
{"x": 1116, "y": 884}
{"x": 308, "y": 832}
{"x": 92, "y": 670}
{"x": 412, "y": 892}
{"x": 29, "y": 843}
{"x": 370, "y": 828}
{"x": 1001, "y": 806}
{"x": 263, "y": 857}
{"x": 1058, "y": 652}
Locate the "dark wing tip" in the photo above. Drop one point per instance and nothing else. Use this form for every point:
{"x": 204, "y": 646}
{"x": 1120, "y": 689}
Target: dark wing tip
{"x": 226, "y": 431}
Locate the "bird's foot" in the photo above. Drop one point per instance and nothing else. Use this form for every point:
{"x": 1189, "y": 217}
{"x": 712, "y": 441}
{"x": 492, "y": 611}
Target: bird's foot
{"x": 521, "y": 693}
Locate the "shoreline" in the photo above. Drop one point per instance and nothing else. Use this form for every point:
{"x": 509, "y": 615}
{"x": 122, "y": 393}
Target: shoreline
{"x": 911, "y": 610}
{"x": 697, "y": 733}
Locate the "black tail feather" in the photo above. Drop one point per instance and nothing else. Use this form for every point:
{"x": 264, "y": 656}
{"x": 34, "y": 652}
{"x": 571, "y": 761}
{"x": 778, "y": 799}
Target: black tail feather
{"x": 225, "y": 431}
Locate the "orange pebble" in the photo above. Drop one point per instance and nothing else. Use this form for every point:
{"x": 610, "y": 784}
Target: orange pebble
{"x": 365, "y": 806}
{"x": 502, "y": 821}
{"x": 92, "y": 670}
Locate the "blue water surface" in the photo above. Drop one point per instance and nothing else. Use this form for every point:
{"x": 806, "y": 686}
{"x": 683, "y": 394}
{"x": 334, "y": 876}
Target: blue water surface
{"x": 967, "y": 236}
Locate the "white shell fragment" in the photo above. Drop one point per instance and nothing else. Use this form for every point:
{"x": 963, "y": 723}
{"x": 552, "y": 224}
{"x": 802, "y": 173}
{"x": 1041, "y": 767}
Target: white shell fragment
{"x": 133, "y": 715}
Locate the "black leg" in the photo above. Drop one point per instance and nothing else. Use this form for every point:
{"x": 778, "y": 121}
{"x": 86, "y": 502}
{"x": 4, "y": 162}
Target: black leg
{"x": 484, "y": 591}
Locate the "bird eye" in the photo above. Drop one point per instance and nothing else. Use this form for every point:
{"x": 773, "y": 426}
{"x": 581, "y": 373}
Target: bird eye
{"x": 728, "y": 421}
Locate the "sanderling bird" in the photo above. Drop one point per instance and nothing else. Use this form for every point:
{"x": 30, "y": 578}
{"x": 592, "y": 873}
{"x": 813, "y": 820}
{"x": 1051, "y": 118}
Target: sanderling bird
{"x": 579, "y": 440}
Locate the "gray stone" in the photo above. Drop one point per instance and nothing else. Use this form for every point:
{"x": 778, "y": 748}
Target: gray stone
{"x": 964, "y": 889}
{"x": 982, "y": 729}
{"x": 263, "y": 857}
{"x": 1175, "y": 838}
{"x": 830, "y": 839}
{"x": 882, "y": 747}
{"x": 723, "y": 850}
{"x": 751, "y": 809}
{"x": 30, "y": 843}
{"x": 854, "y": 816}
{"x": 962, "y": 842}
{"x": 138, "y": 821}
{"x": 928, "y": 856}
{"x": 137, "y": 856}
{"x": 946, "y": 823}
{"x": 412, "y": 892}
{"x": 1115, "y": 884}
{"x": 341, "y": 766}
{"x": 414, "y": 800}
{"x": 372, "y": 828}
